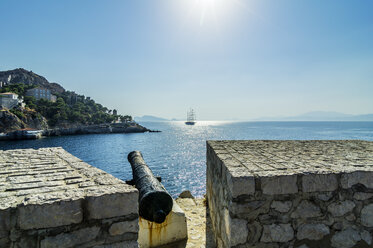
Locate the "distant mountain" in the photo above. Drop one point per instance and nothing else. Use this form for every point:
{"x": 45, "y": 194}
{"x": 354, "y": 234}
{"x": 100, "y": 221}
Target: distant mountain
{"x": 149, "y": 118}
{"x": 320, "y": 116}
{"x": 23, "y": 76}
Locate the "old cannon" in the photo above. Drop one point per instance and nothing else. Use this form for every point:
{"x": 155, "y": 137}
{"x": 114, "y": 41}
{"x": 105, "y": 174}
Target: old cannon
{"x": 154, "y": 201}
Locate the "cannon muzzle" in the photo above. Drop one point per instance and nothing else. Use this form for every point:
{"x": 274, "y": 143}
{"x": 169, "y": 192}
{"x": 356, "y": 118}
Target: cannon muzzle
{"x": 154, "y": 201}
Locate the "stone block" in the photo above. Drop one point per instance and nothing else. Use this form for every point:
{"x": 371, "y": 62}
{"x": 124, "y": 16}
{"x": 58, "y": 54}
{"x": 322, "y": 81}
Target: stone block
{"x": 239, "y": 231}
{"x": 319, "y": 182}
{"x": 361, "y": 196}
{"x": 112, "y": 203}
{"x": 245, "y": 208}
{"x": 255, "y": 231}
{"x": 72, "y": 239}
{"x": 5, "y": 242}
{"x": 341, "y": 208}
{"x": 366, "y": 236}
{"x": 4, "y": 222}
{"x": 367, "y": 215}
{"x": 359, "y": 177}
{"x": 325, "y": 196}
{"x": 346, "y": 238}
{"x": 281, "y": 206}
{"x": 277, "y": 233}
{"x": 312, "y": 231}
{"x": 50, "y": 215}
{"x": 122, "y": 227}
{"x": 124, "y": 244}
{"x": 278, "y": 185}
{"x": 306, "y": 209}
{"x": 240, "y": 182}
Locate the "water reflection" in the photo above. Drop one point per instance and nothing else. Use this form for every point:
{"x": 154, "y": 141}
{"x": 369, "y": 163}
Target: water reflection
{"x": 178, "y": 153}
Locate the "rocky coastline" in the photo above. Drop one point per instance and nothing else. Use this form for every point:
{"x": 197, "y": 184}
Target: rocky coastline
{"x": 131, "y": 127}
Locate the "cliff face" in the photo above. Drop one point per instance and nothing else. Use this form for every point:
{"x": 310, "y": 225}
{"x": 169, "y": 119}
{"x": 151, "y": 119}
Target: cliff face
{"x": 26, "y": 119}
{"x": 9, "y": 122}
{"x": 28, "y": 77}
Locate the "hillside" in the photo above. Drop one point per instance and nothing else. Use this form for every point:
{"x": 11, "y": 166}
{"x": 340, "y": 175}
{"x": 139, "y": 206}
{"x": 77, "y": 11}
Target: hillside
{"x": 23, "y": 76}
{"x": 69, "y": 110}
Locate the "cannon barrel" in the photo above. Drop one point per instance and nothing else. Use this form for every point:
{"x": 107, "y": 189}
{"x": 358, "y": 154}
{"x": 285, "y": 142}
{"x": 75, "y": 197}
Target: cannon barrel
{"x": 154, "y": 201}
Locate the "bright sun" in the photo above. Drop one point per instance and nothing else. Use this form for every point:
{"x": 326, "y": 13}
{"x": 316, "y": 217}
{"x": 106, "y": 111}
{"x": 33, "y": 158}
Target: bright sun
{"x": 214, "y": 10}
{"x": 206, "y": 7}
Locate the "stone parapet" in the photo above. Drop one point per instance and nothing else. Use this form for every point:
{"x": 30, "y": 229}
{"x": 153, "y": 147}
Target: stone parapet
{"x": 291, "y": 193}
{"x": 49, "y": 198}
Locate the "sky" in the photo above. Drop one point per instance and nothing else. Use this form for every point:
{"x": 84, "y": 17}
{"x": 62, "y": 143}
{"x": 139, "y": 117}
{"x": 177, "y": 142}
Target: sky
{"x": 227, "y": 59}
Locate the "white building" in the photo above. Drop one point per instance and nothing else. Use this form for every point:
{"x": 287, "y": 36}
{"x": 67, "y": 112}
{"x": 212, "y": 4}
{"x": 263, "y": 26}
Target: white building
{"x": 9, "y": 100}
{"x": 41, "y": 93}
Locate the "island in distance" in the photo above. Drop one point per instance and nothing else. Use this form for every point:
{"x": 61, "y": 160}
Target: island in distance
{"x": 149, "y": 118}
{"x": 31, "y": 107}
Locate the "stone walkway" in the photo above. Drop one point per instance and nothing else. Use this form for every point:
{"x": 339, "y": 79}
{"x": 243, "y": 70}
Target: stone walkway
{"x": 199, "y": 227}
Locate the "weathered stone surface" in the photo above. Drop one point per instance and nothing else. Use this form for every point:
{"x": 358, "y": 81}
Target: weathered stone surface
{"x": 124, "y": 244}
{"x": 43, "y": 193}
{"x": 325, "y": 196}
{"x": 4, "y": 242}
{"x": 303, "y": 246}
{"x": 361, "y": 196}
{"x": 306, "y": 192}
{"x": 341, "y": 208}
{"x": 255, "y": 231}
{"x": 71, "y": 239}
{"x": 346, "y": 238}
{"x": 50, "y": 215}
{"x": 366, "y": 236}
{"x": 277, "y": 233}
{"x": 113, "y": 202}
{"x": 279, "y": 185}
{"x": 240, "y": 183}
{"x": 4, "y": 223}
{"x": 247, "y": 207}
{"x": 319, "y": 182}
{"x": 281, "y": 206}
{"x": 358, "y": 177}
{"x": 239, "y": 231}
{"x": 120, "y": 228}
{"x": 367, "y": 215}
{"x": 312, "y": 231}
{"x": 306, "y": 209}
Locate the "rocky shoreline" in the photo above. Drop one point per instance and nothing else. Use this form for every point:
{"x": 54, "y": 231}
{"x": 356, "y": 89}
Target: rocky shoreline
{"x": 131, "y": 127}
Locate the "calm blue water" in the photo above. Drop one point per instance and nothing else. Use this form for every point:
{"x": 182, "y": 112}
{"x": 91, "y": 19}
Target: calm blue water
{"x": 177, "y": 154}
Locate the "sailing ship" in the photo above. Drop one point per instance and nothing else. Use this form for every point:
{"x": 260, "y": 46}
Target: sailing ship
{"x": 191, "y": 117}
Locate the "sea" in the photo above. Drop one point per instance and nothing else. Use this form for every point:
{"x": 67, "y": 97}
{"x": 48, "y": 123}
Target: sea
{"x": 178, "y": 153}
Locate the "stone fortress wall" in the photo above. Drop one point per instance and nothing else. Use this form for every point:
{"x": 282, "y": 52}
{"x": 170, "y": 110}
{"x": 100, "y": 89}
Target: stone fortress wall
{"x": 291, "y": 193}
{"x": 49, "y": 198}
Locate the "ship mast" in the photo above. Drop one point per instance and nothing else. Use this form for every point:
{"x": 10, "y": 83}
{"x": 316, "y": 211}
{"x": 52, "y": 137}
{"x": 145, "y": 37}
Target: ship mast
{"x": 191, "y": 115}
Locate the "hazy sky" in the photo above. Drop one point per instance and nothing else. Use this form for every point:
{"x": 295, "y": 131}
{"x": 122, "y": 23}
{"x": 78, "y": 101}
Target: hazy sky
{"x": 225, "y": 58}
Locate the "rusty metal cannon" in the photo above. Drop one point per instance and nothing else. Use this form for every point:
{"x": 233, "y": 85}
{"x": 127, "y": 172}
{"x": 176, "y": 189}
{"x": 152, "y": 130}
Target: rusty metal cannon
{"x": 154, "y": 201}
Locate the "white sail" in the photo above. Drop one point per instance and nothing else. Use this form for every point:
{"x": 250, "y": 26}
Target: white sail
{"x": 191, "y": 117}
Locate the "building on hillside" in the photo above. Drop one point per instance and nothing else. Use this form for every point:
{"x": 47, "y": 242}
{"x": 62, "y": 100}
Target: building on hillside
{"x": 41, "y": 93}
{"x": 9, "y": 100}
